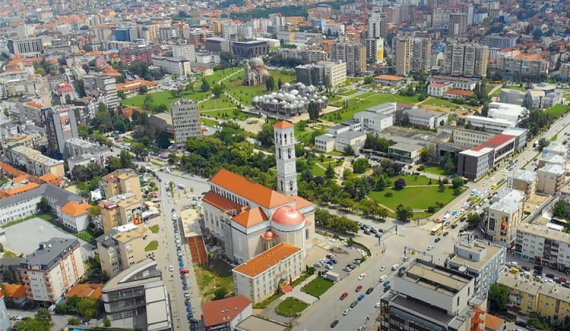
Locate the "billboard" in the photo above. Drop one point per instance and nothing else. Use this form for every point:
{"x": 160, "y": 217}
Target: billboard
{"x": 65, "y": 121}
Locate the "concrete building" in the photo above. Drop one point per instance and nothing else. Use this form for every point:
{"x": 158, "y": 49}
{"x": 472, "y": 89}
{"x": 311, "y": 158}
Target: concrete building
{"x": 217, "y": 44}
{"x": 506, "y": 111}
{"x": 528, "y": 296}
{"x": 457, "y": 24}
{"x": 74, "y": 216}
{"x": 335, "y": 73}
{"x": 467, "y": 138}
{"x": 403, "y": 55}
{"x": 262, "y": 276}
{"x": 122, "y": 181}
{"x": 250, "y": 49}
{"x": 551, "y": 178}
{"x": 377, "y": 25}
{"x": 28, "y": 47}
{"x": 523, "y": 180}
{"x": 186, "y": 121}
{"x": 429, "y": 297}
{"x": 421, "y": 54}
{"x": 468, "y": 60}
{"x": 564, "y": 72}
{"x": 377, "y": 118}
{"x": 61, "y": 125}
{"x": 325, "y": 143}
{"x": 493, "y": 125}
{"x": 352, "y": 139}
{"x": 104, "y": 85}
{"x": 35, "y": 162}
{"x": 504, "y": 217}
{"x": 424, "y": 118}
{"x": 474, "y": 163}
{"x": 514, "y": 97}
{"x": 83, "y": 152}
{"x": 120, "y": 210}
{"x": 500, "y": 42}
{"x": 375, "y": 50}
{"x": 52, "y": 269}
{"x": 226, "y": 314}
{"x": 404, "y": 152}
{"x": 172, "y": 65}
{"x": 481, "y": 260}
{"x": 184, "y": 51}
{"x": 323, "y": 73}
{"x": 290, "y": 100}
{"x": 522, "y": 65}
{"x": 138, "y": 299}
{"x": 304, "y": 55}
{"x": 122, "y": 247}
{"x": 390, "y": 80}
{"x": 541, "y": 245}
{"x": 353, "y": 54}
{"x": 457, "y": 83}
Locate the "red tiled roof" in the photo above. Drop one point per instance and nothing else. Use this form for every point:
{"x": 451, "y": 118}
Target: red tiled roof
{"x": 267, "y": 259}
{"x": 74, "y": 209}
{"x": 93, "y": 291}
{"x": 283, "y": 125}
{"x": 223, "y": 311}
{"x": 493, "y": 322}
{"x": 256, "y": 193}
{"x": 251, "y": 217}
{"x": 461, "y": 93}
{"x": 390, "y": 77}
{"x": 220, "y": 202}
{"x": 498, "y": 140}
{"x": 438, "y": 84}
{"x": 301, "y": 203}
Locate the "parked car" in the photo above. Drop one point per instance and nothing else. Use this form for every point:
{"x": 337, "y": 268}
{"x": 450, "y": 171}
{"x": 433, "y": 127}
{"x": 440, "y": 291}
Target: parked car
{"x": 370, "y": 290}
{"x": 343, "y": 296}
{"x": 361, "y": 297}
{"x": 358, "y": 288}
{"x": 361, "y": 277}
{"x": 395, "y": 267}
{"x": 353, "y": 304}
{"x": 334, "y": 323}
{"x": 346, "y": 311}
{"x": 383, "y": 278}
{"x": 386, "y": 283}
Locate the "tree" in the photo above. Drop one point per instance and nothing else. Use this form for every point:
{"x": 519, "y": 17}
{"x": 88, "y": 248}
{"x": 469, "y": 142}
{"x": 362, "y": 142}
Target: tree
{"x": 329, "y": 172}
{"x": 449, "y": 164}
{"x": 368, "y": 80}
{"x": 43, "y": 206}
{"x": 43, "y": 314}
{"x": 68, "y": 99}
{"x": 498, "y": 298}
{"x": 87, "y": 308}
{"x": 33, "y": 324}
{"x": 399, "y": 184}
{"x": 189, "y": 87}
{"x": 73, "y": 321}
{"x": 79, "y": 87}
{"x": 404, "y": 213}
{"x": 270, "y": 83}
{"x": 143, "y": 90}
{"x": 360, "y": 166}
{"x": 424, "y": 154}
{"x": 138, "y": 149}
{"x": 457, "y": 182}
{"x": 175, "y": 93}
{"x": 220, "y": 293}
{"x": 163, "y": 140}
{"x": 205, "y": 87}
{"x": 172, "y": 158}
{"x": 94, "y": 211}
{"x": 561, "y": 209}
{"x": 542, "y": 143}
{"x": 148, "y": 102}
{"x": 348, "y": 150}
{"x": 474, "y": 219}
{"x": 313, "y": 110}
{"x": 106, "y": 323}
{"x": 217, "y": 90}
{"x": 279, "y": 83}
{"x": 126, "y": 160}
{"x": 265, "y": 135}
{"x": 441, "y": 187}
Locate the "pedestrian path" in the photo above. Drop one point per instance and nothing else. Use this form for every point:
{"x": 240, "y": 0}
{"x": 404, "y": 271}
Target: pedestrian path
{"x": 300, "y": 295}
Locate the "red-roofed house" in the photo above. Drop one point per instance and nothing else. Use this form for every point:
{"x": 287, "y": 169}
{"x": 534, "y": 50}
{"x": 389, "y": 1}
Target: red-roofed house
{"x": 455, "y": 94}
{"x": 74, "y": 216}
{"x": 226, "y": 313}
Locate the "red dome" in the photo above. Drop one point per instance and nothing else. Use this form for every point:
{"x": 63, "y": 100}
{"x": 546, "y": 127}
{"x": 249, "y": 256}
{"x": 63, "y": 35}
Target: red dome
{"x": 269, "y": 235}
{"x": 288, "y": 216}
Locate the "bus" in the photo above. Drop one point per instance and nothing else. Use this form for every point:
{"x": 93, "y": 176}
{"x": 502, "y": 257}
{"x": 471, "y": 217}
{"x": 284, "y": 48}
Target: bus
{"x": 437, "y": 230}
{"x": 497, "y": 184}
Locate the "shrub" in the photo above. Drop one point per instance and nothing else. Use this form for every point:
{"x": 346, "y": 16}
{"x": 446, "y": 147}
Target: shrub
{"x": 388, "y": 194}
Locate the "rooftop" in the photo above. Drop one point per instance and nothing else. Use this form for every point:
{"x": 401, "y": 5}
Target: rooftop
{"x": 436, "y": 278}
{"x": 499, "y": 140}
{"x": 553, "y": 169}
{"x": 266, "y": 260}
{"x": 520, "y": 283}
{"x": 423, "y": 113}
{"x": 251, "y": 217}
{"x": 223, "y": 311}
{"x": 220, "y": 202}
{"x": 50, "y": 252}
{"x": 462, "y": 93}
{"x": 254, "y": 323}
{"x": 405, "y": 147}
{"x": 478, "y": 246}
{"x": 390, "y": 77}
{"x": 545, "y": 232}
{"x": 76, "y": 209}
{"x": 524, "y": 175}
{"x": 86, "y": 291}
{"x": 254, "y": 192}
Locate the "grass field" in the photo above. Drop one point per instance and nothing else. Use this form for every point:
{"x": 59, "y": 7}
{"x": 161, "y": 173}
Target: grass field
{"x": 318, "y": 171}
{"x": 226, "y": 113}
{"x": 290, "y": 307}
{"x": 558, "y": 110}
{"x": 217, "y": 103}
{"x": 219, "y": 74}
{"x": 217, "y": 275}
{"x": 365, "y": 101}
{"x": 245, "y": 93}
{"x": 436, "y": 170}
{"x": 414, "y": 197}
{"x": 208, "y": 122}
{"x": 416, "y": 180}
{"x": 318, "y": 287}
{"x": 152, "y": 246}
{"x": 163, "y": 98}
{"x": 154, "y": 229}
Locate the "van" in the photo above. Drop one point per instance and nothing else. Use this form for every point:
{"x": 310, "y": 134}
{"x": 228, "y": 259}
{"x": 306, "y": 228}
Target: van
{"x": 395, "y": 267}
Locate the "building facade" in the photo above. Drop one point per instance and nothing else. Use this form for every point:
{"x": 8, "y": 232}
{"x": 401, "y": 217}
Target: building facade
{"x": 186, "y": 121}
{"x": 61, "y": 126}
{"x": 122, "y": 247}
{"x": 105, "y": 86}
{"x": 504, "y": 218}
{"x": 351, "y": 53}
{"x": 467, "y": 60}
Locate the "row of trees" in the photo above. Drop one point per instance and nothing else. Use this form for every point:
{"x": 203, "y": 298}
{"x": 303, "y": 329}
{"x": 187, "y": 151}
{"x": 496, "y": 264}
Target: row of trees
{"x": 338, "y": 224}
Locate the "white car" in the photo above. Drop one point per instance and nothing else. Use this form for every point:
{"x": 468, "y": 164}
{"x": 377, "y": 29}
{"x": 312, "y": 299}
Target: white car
{"x": 346, "y": 311}
{"x": 171, "y": 268}
{"x": 382, "y": 268}
{"x": 377, "y": 305}
{"x": 430, "y": 247}
{"x": 395, "y": 267}
{"x": 361, "y": 277}
{"x": 382, "y": 278}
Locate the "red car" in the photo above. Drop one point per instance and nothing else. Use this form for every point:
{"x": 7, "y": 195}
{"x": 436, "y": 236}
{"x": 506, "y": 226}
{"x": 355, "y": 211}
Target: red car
{"x": 343, "y": 296}
{"x": 358, "y": 288}
{"x": 184, "y": 271}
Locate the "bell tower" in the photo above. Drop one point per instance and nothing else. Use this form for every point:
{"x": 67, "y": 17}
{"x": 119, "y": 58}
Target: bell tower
{"x": 285, "y": 157}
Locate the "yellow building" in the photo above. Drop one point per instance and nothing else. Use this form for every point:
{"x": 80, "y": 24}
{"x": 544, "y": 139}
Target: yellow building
{"x": 120, "y": 210}
{"x": 121, "y": 248}
{"x": 546, "y": 299}
{"x": 120, "y": 182}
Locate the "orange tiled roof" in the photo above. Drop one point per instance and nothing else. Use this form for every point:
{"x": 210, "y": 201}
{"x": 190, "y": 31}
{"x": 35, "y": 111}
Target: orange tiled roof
{"x": 86, "y": 291}
{"x": 51, "y": 178}
{"x": 267, "y": 259}
{"x": 223, "y": 311}
{"x": 11, "y": 170}
{"x": 21, "y": 178}
{"x": 283, "y": 125}
{"x": 461, "y": 92}
{"x": 14, "y": 290}
{"x": 301, "y": 203}
{"x": 390, "y": 77}
{"x": 256, "y": 193}
{"x": 220, "y": 202}
{"x": 251, "y": 217}
{"x": 34, "y": 104}
{"x": 493, "y": 322}
{"x": 73, "y": 208}
{"x": 529, "y": 56}
{"x": 134, "y": 85}
{"x": 20, "y": 189}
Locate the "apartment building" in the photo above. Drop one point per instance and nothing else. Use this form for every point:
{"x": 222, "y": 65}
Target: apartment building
{"x": 403, "y": 57}
{"x": 427, "y": 296}
{"x": 523, "y": 180}
{"x": 467, "y": 60}
{"x": 467, "y": 138}
{"x": 353, "y": 54}
{"x": 61, "y": 125}
{"x": 375, "y": 50}
{"x": 27, "y": 47}
{"x": 186, "y": 52}
{"x": 542, "y": 245}
{"x": 479, "y": 259}
{"x": 172, "y": 65}
{"x": 493, "y": 125}
{"x": 528, "y": 296}
{"x": 504, "y": 217}
{"x": 551, "y": 178}
{"x": 250, "y": 48}
{"x": 457, "y": 23}
{"x": 138, "y": 54}
{"x": 35, "y": 162}
{"x": 52, "y": 269}
{"x": 122, "y": 181}
{"x": 304, "y": 55}
{"x": 122, "y": 247}
{"x": 83, "y": 152}
{"x": 323, "y": 73}
{"x": 137, "y": 298}
{"x": 522, "y": 65}
{"x": 105, "y": 86}
{"x": 185, "y": 121}
{"x": 424, "y": 118}
{"x": 334, "y": 73}
{"x": 120, "y": 210}
{"x": 500, "y": 42}
{"x": 261, "y": 277}
{"x": 421, "y": 54}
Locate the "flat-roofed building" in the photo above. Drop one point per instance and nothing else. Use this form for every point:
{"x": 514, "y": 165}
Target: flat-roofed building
{"x": 120, "y": 210}
{"x": 504, "y": 217}
{"x": 172, "y": 65}
{"x": 506, "y": 111}
{"x": 352, "y": 139}
{"x": 325, "y": 143}
{"x": 467, "y": 138}
{"x": 493, "y": 125}
{"x": 121, "y": 248}
{"x": 551, "y": 178}
{"x": 474, "y": 163}
{"x": 185, "y": 121}
{"x": 261, "y": 277}
{"x": 138, "y": 299}
{"x": 484, "y": 261}
{"x": 424, "y": 118}
{"x": 408, "y": 153}
{"x": 122, "y": 181}
{"x": 523, "y": 180}
{"x": 35, "y": 162}
{"x": 250, "y": 48}
{"x": 541, "y": 245}
{"x": 429, "y": 297}
{"x": 512, "y": 96}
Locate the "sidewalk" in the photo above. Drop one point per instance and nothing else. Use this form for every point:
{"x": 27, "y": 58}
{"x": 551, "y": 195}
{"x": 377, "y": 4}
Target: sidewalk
{"x": 298, "y": 294}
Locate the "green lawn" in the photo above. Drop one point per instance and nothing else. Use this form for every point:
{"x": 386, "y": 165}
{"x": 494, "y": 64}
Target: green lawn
{"x": 219, "y": 74}
{"x": 436, "y": 170}
{"x": 365, "y": 101}
{"x": 246, "y": 93}
{"x": 432, "y": 101}
{"x": 163, "y": 98}
{"x": 416, "y": 180}
{"x": 208, "y": 122}
{"x": 217, "y": 274}
{"x": 558, "y": 110}
{"x": 152, "y": 246}
{"x": 318, "y": 287}
{"x": 228, "y": 113}
{"x": 216, "y": 103}
{"x": 154, "y": 229}
{"x": 290, "y": 307}
{"x": 414, "y": 197}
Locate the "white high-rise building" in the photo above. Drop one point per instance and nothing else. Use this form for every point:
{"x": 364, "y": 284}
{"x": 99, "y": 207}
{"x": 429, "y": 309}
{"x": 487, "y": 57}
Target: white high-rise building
{"x": 377, "y": 25}
{"x": 285, "y": 154}
{"x": 186, "y": 52}
{"x": 185, "y": 121}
